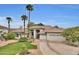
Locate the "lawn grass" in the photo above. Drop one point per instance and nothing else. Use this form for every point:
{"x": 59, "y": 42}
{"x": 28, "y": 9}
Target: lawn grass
{"x": 12, "y": 49}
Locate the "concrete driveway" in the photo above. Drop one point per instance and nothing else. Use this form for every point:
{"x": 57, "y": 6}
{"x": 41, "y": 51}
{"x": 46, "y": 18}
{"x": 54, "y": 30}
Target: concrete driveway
{"x": 64, "y": 49}
{"x": 56, "y": 48}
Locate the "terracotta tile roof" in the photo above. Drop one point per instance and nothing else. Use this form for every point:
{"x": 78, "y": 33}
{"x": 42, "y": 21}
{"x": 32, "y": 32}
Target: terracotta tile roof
{"x": 51, "y": 30}
{"x": 47, "y": 29}
{"x": 54, "y": 30}
{"x": 40, "y": 27}
{"x": 36, "y": 27}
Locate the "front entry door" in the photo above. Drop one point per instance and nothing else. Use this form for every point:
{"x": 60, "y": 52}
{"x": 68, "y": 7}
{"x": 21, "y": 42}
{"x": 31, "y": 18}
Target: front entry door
{"x": 37, "y": 31}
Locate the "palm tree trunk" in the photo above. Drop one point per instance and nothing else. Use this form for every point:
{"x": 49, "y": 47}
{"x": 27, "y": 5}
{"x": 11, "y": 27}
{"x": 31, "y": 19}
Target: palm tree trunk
{"x": 28, "y": 24}
{"x": 24, "y": 28}
{"x": 8, "y": 26}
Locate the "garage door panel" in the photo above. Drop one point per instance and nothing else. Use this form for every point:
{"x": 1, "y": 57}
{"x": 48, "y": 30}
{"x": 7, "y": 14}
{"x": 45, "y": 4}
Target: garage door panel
{"x": 55, "y": 38}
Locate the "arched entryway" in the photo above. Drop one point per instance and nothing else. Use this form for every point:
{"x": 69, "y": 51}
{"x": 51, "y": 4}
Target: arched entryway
{"x": 35, "y": 33}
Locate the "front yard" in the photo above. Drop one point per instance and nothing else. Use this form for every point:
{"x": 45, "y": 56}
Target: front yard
{"x": 13, "y": 49}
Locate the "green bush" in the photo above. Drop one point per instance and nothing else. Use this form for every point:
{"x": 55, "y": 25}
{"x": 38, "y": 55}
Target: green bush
{"x": 34, "y": 46}
{"x": 23, "y": 39}
{"x": 3, "y": 35}
{"x": 10, "y": 35}
{"x": 71, "y": 34}
{"x": 31, "y": 46}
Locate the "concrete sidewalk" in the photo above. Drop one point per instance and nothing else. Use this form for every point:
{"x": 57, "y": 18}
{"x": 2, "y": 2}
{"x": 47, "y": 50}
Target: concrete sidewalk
{"x": 3, "y": 43}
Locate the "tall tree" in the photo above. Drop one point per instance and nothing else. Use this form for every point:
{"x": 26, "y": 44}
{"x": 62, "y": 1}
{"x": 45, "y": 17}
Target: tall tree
{"x": 29, "y": 7}
{"x": 24, "y": 18}
{"x": 9, "y": 19}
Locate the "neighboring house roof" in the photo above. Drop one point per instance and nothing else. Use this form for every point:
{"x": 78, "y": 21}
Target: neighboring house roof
{"x": 18, "y": 30}
{"x": 3, "y": 27}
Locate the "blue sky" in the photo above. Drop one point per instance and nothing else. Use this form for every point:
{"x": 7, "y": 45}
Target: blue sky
{"x": 63, "y": 15}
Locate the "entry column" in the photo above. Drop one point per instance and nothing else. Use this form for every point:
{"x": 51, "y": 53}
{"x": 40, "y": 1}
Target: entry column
{"x": 34, "y": 33}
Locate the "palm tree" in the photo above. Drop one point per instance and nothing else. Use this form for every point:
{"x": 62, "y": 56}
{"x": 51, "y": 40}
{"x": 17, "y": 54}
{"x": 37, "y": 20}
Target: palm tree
{"x": 29, "y": 8}
{"x": 24, "y": 18}
{"x": 9, "y": 19}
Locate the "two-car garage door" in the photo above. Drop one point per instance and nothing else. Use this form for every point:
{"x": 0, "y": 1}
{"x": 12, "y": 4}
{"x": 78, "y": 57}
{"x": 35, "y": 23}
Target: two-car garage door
{"x": 52, "y": 37}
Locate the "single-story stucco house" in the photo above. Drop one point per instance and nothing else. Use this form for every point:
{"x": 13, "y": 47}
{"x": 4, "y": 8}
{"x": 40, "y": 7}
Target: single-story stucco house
{"x": 47, "y": 32}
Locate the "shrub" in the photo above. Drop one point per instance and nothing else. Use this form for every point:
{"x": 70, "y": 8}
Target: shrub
{"x": 31, "y": 46}
{"x": 3, "y": 35}
{"x": 10, "y": 35}
{"x": 23, "y": 39}
{"x": 34, "y": 46}
{"x": 71, "y": 35}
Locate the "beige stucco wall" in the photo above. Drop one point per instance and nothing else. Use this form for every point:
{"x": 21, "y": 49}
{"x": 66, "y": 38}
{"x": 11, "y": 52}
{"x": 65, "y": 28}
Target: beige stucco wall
{"x": 43, "y": 37}
{"x": 53, "y": 37}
